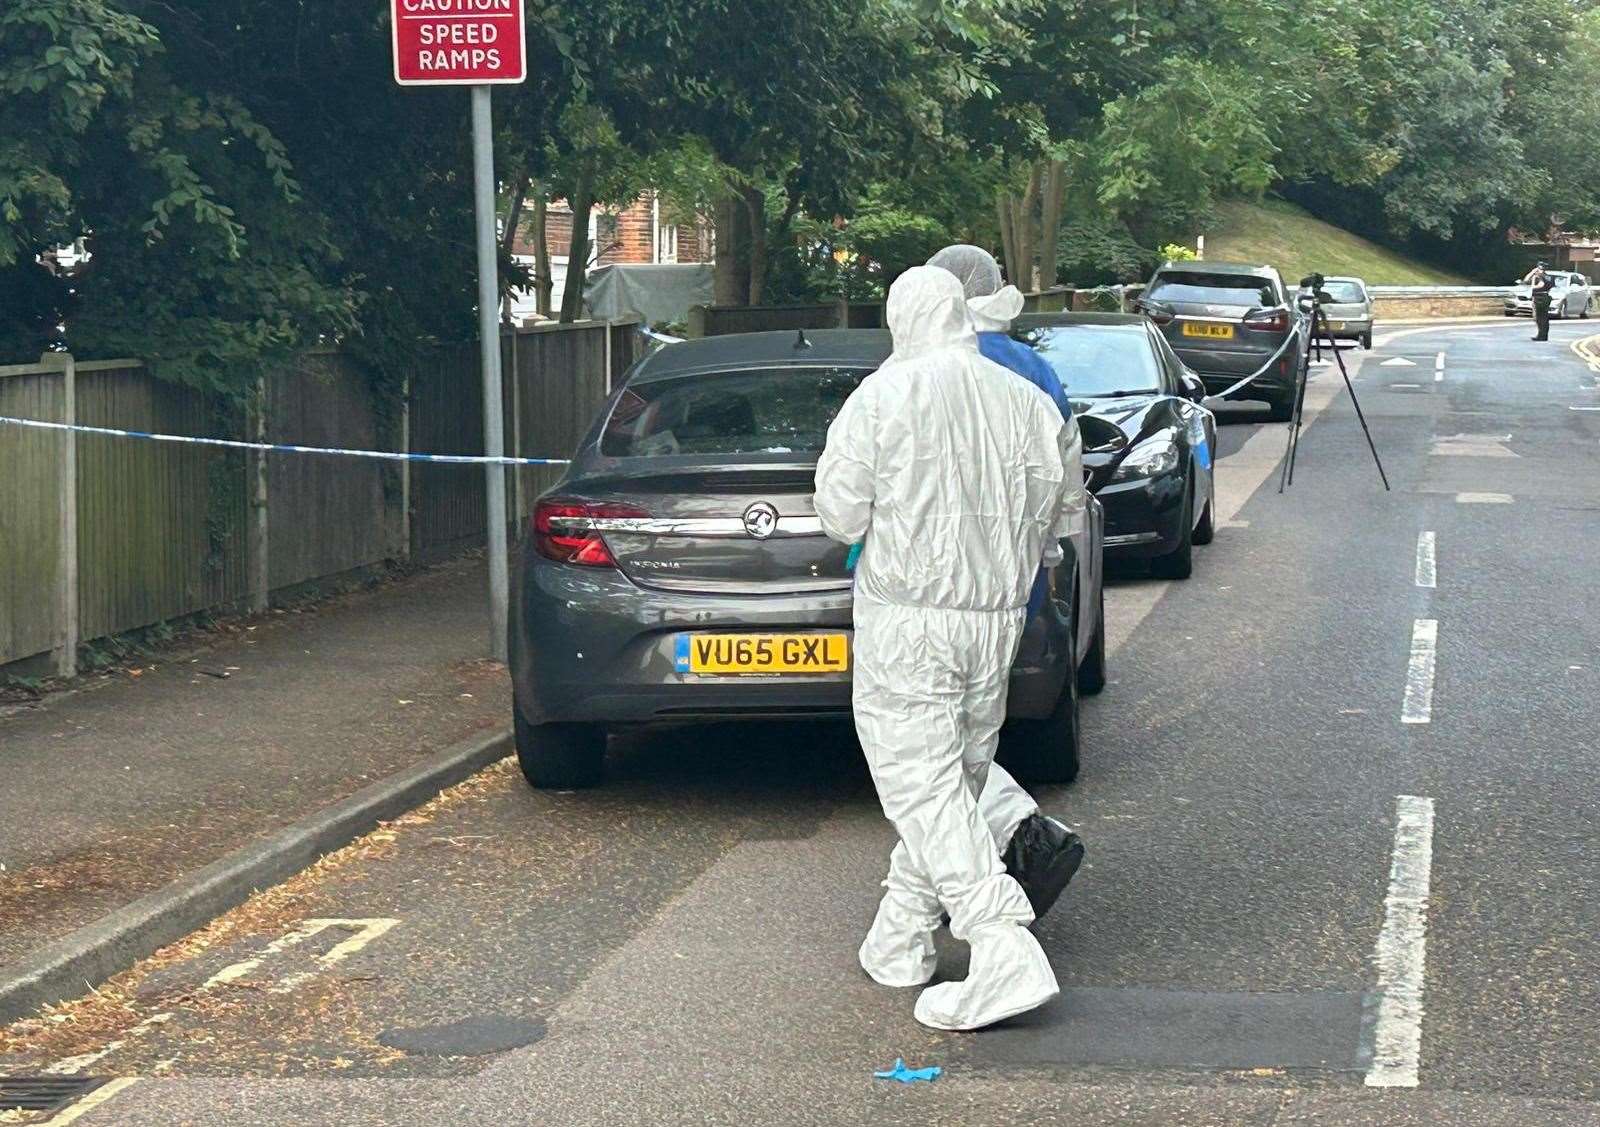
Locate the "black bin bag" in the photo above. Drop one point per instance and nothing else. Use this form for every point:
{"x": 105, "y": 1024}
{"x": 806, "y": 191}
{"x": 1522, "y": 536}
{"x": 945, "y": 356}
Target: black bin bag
{"x": 1042, "y": 857}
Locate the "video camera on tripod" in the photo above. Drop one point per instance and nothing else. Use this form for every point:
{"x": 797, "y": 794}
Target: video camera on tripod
{"x": 1319, "y": 335}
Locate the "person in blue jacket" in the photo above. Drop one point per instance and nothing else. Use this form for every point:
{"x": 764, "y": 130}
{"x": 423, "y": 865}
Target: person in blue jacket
{"x": 994, "y": 306}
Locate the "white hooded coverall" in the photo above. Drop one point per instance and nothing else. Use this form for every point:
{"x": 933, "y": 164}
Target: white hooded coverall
{"x": 954, "y": 473}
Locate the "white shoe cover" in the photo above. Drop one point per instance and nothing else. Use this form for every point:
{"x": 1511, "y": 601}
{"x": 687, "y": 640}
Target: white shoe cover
{"x": 898, "y": 950}
{"x": 1008, "y": 975}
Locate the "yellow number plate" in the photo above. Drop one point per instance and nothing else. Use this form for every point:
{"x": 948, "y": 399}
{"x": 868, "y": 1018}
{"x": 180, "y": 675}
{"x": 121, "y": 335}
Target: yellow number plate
{"x": 1214, "y": 332}
{"x": 763, "y": 653}
{"x": 1336, "y": 326}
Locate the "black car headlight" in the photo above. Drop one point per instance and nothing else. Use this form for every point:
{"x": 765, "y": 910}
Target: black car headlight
{"x": 1149, "y": 459}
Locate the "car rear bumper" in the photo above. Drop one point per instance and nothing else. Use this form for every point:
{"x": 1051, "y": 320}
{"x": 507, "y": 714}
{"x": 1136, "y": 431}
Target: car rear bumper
{"x": 1349, "y": 328}
{"x": 1272, "y": 385}
{"x": 1219, "y": 369}
{"x": 589, "y": 646}
{"x": 1144, "y": 517}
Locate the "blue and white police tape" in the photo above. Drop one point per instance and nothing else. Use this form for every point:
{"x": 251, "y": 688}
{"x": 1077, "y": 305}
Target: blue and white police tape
{"x": 279, "y": 448}
{"x": 1259, "y": 372}
{"x": 659, "y": 338}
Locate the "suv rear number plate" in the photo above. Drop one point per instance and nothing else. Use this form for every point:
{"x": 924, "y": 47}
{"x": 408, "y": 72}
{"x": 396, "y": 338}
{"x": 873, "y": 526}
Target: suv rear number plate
{"x": 1218, "y": 332}
{"x": 734, "y": 654}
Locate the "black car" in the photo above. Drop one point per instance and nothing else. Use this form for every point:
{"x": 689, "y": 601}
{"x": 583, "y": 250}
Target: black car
{"x": 1148, "y": 443}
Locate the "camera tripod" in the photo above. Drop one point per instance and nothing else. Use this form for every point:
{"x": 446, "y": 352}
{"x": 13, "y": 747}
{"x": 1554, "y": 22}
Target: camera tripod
{"x": 1320, "y": 333}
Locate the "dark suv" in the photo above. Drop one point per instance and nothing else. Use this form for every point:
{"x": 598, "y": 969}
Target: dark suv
{"x": 1228, "y": 320}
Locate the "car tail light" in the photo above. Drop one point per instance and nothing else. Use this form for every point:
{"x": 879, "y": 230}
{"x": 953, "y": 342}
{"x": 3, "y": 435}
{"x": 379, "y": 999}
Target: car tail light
{"x": 563, "y": 530}
{"x": 1158, "y": 312}
{"x": 1268, "y": 321}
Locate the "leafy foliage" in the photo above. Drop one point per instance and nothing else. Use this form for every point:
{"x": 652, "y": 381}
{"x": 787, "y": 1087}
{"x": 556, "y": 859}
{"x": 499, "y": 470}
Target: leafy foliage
{"x": 248, "y": 179}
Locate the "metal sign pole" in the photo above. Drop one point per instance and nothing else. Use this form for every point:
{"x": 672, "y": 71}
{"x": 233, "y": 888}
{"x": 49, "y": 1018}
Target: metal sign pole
{"x": 483, "y": 185}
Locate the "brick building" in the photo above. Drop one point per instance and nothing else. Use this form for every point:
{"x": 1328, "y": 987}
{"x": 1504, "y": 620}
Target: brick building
{"x": 636, "y": 233}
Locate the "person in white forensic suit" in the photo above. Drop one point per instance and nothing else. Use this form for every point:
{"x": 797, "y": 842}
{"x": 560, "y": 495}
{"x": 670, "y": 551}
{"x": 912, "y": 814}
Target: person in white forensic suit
{"x": 955, "y": 474}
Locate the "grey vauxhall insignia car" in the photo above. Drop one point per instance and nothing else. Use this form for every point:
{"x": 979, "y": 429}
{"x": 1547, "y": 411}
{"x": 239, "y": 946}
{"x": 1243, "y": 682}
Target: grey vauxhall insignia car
{"x": 1226, "y": 321}
{"x": 678, "y": 571}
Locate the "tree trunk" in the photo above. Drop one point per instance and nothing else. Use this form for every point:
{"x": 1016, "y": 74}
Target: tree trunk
{"x": 508, "y": 237}
{"x": 1026, "y": 227}
{"x": 755, "y": 207}
{"x": 1055, "y": 187}
{"x": 582, "y": 202}
{"x": 731, "y": 274}
{"x": 1005, "y": 211}
{"x": 543, "y": 284}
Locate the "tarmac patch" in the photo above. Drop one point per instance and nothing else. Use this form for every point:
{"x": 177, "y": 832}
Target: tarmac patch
{"x": 469, "y": 1037}
{"x": 1181, "y": 1029}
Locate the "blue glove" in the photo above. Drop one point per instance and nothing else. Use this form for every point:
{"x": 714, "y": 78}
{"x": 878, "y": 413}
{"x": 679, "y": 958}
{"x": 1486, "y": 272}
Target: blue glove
{"x": 908, "y": 1075}
{"x": 853, "y": 557}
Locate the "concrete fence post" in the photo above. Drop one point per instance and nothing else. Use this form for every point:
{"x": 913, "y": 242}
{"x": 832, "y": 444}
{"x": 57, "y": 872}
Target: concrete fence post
{"x": 258, "y": 577}
{"x": 67, "y": 631}
{"x": 519, "y": 474}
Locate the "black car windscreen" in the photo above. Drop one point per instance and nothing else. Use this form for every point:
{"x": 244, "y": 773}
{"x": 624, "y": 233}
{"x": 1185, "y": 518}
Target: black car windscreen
{"x": 1099, "y": 360}
{"x": 1200, "y": 288}
{"x": 765, "y": 411}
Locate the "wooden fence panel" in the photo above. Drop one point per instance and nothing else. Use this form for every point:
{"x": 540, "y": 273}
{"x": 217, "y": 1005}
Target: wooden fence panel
{"x": 561, "y": 387}
{"x": 30, "y": 484}
{"x": 447, "y": 502}
{"x": 160, "y": 525}
{"x": 328, "y": 515}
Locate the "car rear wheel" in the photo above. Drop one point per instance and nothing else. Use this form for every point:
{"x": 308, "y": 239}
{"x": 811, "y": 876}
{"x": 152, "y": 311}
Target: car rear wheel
{"x": 1045, "y": 751}
{"x": 1179, "y": 563}
{"x": 1092, "y": 672}
{"x": 1583, "y": 314}
{"x": 1366, "y": 340}
{"x": 1281, "y": 410}
{"x": 560, "y": 756}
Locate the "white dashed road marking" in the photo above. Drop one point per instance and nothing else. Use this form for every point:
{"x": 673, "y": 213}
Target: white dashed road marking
{"x": 1418, "y": 706}
{"x": 1427, "y": 563}
{"x": 1401, "y": 954}
{"x": 1483, "y": 498}
{"x": 1473, "y": 446}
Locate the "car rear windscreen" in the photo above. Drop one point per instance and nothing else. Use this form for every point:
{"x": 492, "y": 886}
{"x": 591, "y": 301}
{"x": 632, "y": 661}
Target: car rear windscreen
{"x": 1344, "y": 293}
{"x": 1201, "y": 288}
{"x": 766, "y": 411}
{"x": 1094, "y": 361}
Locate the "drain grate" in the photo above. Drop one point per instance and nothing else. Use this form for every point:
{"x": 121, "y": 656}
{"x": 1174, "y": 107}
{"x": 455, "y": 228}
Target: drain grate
{"x": 44, "y": 1093}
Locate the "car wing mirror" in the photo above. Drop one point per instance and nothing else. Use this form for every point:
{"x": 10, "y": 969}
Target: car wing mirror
{"x": 1193, "y": 388}
{"x": 1100, "y": 436}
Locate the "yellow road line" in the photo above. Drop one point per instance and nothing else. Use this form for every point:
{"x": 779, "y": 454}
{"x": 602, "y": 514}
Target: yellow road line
{"x": 1587, "y": 349}
{"x": 93, "y": 1100}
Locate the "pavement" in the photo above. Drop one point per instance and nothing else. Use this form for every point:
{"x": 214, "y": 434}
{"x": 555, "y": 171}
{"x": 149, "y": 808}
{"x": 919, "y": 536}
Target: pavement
{"x": 151, "y": 773}
{"x": 1338, "y": 799}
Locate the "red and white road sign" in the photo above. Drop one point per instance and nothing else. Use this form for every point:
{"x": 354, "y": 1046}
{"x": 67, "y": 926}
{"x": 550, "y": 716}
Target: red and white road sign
{"x": 458, "y": 42}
